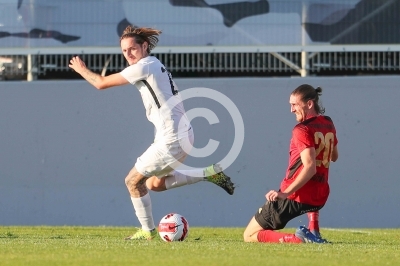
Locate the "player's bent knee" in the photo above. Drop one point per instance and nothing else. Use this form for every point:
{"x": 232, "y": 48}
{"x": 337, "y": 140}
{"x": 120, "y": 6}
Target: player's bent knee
{"x": 248, "y": 238}
{"x": 134, "y": 179}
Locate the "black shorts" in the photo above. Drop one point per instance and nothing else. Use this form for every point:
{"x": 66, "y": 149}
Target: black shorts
{"x": 276, "y": 214}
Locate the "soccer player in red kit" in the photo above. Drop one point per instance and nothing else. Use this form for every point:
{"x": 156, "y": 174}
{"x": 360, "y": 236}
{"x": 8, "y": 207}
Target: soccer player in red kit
{"x": 305, "y": 188}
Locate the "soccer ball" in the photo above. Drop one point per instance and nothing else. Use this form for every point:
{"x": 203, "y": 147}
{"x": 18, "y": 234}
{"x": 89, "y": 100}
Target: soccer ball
{"x": 173, "y": 227}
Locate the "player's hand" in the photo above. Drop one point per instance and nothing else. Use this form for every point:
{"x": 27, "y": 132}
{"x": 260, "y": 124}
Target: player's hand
{"x": 274, "y": 195}
{"x": 77, "y": 64}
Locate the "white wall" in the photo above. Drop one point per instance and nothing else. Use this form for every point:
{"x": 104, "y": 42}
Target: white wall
{"x": 65, "y": 149}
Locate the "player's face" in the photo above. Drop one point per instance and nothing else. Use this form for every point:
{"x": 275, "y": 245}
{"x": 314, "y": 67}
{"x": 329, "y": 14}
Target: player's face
{"x": 299, "y": 108}
{"x": 133, "y": 51}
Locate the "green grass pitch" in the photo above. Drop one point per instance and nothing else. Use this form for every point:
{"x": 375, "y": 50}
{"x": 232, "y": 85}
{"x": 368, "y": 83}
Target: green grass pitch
{"x": 68, "y": 245}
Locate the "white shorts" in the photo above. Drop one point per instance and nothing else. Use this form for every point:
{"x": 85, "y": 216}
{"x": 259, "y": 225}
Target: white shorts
{"x": 161, "y": 158}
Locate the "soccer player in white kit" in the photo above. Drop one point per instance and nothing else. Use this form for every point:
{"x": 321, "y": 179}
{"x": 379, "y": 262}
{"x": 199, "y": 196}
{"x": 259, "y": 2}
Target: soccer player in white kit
{"x": 154, "y": 169}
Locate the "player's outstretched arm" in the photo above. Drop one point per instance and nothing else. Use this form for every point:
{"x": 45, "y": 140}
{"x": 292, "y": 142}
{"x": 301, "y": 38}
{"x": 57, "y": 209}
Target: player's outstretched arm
{"x": 95, "y": 79}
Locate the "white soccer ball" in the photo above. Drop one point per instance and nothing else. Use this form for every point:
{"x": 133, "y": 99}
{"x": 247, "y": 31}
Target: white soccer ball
{"x": 173, "y": 227}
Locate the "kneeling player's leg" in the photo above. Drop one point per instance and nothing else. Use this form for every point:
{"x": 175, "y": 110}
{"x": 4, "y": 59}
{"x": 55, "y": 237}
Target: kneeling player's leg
{"x": 251, "y": 232}
{"x": 313, "y": 221}
{"x": 272, "y": 216}
{"x": 255, "y": 233}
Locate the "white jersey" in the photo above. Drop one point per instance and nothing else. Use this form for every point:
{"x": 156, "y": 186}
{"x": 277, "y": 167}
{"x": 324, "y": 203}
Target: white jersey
{"x": 164, "y": 107}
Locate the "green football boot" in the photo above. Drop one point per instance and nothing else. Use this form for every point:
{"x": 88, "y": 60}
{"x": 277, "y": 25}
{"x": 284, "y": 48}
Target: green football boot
{"x": 215, "y": 175}
{"x": 142, "y": 235}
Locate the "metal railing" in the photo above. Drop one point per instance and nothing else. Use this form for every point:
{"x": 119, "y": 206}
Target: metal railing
{"x": 355, "y": 61}
{"x": 43, "y": 66}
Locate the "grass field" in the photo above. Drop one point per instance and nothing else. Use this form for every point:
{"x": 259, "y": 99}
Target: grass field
{"x": 45, "y": 245}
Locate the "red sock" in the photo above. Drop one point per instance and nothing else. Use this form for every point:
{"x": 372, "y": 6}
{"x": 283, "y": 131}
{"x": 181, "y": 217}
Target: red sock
{"x": 313, "y": 221}
{"x": 269, "y": 236}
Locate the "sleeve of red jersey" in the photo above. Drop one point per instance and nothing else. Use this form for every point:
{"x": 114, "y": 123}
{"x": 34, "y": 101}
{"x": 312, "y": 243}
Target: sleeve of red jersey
{"x": 302, "y": 138}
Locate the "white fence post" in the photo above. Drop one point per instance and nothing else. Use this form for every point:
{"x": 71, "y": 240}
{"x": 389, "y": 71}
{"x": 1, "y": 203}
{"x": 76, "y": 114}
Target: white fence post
{"x": 32, "y": 69}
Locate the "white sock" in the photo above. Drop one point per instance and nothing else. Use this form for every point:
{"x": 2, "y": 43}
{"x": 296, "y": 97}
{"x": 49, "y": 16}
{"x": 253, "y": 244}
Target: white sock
{"x": 193, "y": 173}
{"x": 183, "y": 177}
{"x": 143, "y": 211}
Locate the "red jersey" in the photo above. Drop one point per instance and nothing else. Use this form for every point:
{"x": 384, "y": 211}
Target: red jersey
{"x": 318, "y": 132}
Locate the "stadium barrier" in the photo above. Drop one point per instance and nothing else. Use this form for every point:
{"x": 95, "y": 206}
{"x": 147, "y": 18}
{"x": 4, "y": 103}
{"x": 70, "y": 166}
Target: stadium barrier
{"x": 191, "y": 61}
